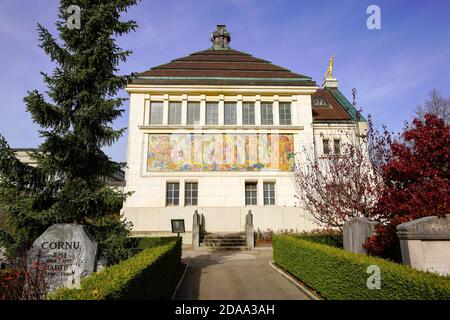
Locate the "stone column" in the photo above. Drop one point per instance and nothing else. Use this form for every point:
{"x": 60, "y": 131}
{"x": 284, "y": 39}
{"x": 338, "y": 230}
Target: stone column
{"x": 249, "y": 231}
{"x": 196, "y": 230}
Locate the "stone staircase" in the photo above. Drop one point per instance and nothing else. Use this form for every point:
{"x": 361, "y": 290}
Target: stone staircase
{"x": 224, "y": 242}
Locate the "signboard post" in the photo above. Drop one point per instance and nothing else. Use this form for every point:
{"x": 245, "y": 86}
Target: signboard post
{"x": 178, "y": 226}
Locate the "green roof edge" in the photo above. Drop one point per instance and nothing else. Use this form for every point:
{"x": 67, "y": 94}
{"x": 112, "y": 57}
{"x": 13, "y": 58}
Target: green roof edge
{"x": 349, "y": 107}
{"x": 225, "y": 78}
{"x": 212, "y": 48}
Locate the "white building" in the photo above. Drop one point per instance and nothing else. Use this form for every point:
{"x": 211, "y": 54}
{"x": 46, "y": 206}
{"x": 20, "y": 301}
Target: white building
{"x": 216, "y": 132}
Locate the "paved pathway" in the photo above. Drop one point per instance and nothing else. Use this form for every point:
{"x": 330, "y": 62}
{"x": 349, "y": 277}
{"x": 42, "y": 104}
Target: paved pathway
{"x": 244, "y": 275}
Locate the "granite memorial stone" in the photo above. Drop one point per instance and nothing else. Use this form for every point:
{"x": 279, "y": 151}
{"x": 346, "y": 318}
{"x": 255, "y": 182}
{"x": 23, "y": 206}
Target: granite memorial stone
{"x": 66, "y": 254}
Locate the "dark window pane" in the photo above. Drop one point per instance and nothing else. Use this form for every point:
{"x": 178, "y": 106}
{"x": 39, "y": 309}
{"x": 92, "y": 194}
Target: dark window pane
{"x": 337, "y": 146}
{"x": 326, "y": 146}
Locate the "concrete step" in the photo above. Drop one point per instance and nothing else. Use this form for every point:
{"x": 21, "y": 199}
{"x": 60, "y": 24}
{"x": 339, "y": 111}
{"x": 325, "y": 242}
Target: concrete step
{"x": 224, "y": 241}
{"x": 224, "y": 236}
{"x": 226, "y": 248}
{"x": 223, "y": 244}
{"x": 230, "y": 240}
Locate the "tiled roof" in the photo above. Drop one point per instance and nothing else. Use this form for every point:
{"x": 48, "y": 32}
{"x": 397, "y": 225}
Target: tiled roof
{"x": 334, "y": 110}
{"x": 223, "y": 67}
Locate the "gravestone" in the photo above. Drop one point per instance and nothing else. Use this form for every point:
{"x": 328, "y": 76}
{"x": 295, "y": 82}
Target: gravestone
{"x": 356, "y": 232}
{"x": 65, "y": 253}
{"x": 425, "y": 244}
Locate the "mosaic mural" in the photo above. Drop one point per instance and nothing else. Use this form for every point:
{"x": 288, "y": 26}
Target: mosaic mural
{"x": 220, "y": 152}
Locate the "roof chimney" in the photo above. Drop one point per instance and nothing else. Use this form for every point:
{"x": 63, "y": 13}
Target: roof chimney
{"x": 221, "y": 38}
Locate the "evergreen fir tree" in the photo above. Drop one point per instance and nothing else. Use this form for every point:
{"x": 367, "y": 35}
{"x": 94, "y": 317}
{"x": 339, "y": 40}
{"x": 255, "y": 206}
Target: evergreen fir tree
{"x": 75, "y": 115}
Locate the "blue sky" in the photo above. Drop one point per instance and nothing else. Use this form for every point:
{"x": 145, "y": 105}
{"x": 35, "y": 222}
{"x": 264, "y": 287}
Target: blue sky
{"x": 393, "y": 69}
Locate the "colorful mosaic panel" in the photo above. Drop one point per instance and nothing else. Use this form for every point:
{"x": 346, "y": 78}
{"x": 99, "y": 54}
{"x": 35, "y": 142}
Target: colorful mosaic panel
{"x": 220, "y": 152}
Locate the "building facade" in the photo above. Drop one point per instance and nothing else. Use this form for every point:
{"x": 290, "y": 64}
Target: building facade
{"x": 217, "y": 131}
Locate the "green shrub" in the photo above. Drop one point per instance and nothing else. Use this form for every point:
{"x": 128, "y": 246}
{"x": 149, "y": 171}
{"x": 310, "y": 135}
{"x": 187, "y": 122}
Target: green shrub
{"x": 334, "y": 240}
{"x": 150, "y": 242}
{"x": 338, "y": 274}
{"x": 147, "y": 275}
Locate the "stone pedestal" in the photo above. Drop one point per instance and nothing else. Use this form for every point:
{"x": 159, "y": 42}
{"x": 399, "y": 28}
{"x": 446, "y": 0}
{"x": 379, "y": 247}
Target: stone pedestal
{"x": 330, "y": 83}
{"x": 425, "y": 244}
{"x": 249, "y": 230}
{"x": 356, "y": 232}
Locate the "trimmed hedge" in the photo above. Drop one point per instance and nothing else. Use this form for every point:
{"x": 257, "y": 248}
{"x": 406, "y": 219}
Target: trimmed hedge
{"x": 150, "y": 242}
{"x": 340, "y": 275}
{"x": 147, "y": 275}
{"x": 334, "y": 240}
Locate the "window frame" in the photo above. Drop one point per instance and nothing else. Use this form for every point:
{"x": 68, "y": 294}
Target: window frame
{"x": 233, "y": 113}
{"x": 266, "y": 113}
{"x": 189, "y": 197}
{"x": 171, "y": 199}
{"x": 178, "y": 114}
{"x": 215, "y": 114}
{"x": 338, "y": 145}
{"x": 250, "y": 115}
{"x": 251, "y": 196}
{"x": 196, "y": 114}
{"x": 160, "y": 116}
{"x": 270, "y": 199}
{"x": 326, "y": 105}
{"x": 282, "y": 115}
{"x": 326, "y": 147}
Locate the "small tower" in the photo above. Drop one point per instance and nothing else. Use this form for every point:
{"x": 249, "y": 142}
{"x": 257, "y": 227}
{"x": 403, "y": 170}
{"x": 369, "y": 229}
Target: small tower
{"x": 221, "y": 38}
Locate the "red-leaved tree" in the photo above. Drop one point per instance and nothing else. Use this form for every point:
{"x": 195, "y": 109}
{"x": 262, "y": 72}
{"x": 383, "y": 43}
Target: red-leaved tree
{"x": 416, "y": 181}
{"x": 334, "y": 188}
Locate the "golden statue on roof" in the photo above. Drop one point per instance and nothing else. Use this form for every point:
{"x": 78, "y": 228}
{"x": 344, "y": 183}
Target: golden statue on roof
{"x": 330, "y": 68}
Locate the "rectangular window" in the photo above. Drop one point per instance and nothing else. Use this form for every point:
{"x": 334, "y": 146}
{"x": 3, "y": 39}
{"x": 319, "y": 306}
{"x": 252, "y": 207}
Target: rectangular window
{"x": 337, "y": 146}
{"x": 285, "y": 113}
{"x": 326, "y": 146}
{"x": 191, "y": 194}
{"x": 229, "y": 113}
{"x": 174, "y": 112}
{"x": 172, "y": 194}
{"x": 156, "y": 112}
{"x": 212, "y": 113}
{"x": 193, "y": 113}
{"x": 266, "y": 113}
{"x": 269, "y": 193}
{"x": 248, "y": 113}
{"x": 251, "y": 193}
